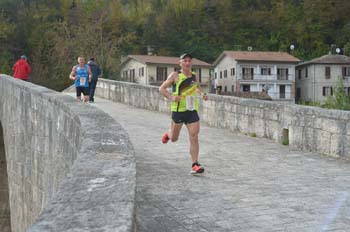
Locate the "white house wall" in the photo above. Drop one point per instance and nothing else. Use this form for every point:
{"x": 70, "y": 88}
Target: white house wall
{"x": 152, "y": 73}
{"x": 312, "y": 86}
{"x": 268, "y": 80}
{"x": 321, "y": 81}
{"x": 136, "y": 65}
{"x": 226, "y": 64}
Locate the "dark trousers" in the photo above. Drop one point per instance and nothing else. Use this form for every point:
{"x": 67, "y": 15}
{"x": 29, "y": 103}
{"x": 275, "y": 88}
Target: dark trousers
{"x": 92, "y": 86}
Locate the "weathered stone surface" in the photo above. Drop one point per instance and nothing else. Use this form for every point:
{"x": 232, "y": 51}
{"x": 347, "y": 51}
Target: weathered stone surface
{"x": 5, "y": 216}
{"x": 250, "y": 184}
{"x": 310, "y": 128}
{"x": 70, "y": 166}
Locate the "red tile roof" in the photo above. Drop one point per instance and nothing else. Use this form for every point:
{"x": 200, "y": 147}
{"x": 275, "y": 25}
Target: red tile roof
{"x": 258, "y": 56}
{"x": 164, "y": 60}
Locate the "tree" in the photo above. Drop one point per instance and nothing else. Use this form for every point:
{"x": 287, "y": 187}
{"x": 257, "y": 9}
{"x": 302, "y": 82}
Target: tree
{"x": 340, "y": 100}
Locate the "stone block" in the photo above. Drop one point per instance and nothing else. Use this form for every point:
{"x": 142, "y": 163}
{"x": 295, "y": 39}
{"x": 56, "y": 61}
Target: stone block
{"x": 336, "y": 145}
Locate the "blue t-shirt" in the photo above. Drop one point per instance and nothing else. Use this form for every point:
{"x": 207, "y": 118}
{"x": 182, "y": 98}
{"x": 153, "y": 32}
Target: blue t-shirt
{"x": 82, "y": 76}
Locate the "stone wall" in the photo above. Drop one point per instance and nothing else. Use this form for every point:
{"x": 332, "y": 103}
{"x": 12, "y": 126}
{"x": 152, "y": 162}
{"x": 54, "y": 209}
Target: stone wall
{"x": 5, "y": 217}
{"x": 70, "y": 166}
{"x": 307, "y": 128}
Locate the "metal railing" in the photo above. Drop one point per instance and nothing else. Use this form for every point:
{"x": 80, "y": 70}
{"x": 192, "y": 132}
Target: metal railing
{"x": 260, "y": 77}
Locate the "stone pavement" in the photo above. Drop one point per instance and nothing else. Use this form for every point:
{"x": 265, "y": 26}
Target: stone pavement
{"x": 250, "y": 184}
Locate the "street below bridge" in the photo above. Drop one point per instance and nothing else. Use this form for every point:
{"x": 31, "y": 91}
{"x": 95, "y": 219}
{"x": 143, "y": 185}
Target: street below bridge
{"x": 250, "y": 184}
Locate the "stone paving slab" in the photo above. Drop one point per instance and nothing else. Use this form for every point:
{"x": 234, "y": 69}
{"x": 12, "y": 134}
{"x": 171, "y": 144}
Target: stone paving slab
{"x": 250, "y": 184}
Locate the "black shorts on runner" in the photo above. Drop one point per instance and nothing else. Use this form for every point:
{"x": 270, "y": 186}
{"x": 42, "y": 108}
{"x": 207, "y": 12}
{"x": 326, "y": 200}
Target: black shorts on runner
{"x": 84, "y": 90}
{"x": 185, "y": 117}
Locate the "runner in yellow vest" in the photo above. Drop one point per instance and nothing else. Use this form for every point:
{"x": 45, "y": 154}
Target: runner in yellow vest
{"x": 184, "y": 107}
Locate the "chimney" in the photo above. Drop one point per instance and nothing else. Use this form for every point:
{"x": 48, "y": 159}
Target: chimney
{"x": 150, "y": 50}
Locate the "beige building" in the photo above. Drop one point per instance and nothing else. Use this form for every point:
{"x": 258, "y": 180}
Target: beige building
{"x": 153, "y": 70}
{"x": 256, "y": 71}
{"x": 316, "y": 78}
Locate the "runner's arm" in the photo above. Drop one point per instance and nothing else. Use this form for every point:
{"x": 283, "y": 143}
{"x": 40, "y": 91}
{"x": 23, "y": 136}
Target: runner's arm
{"x": 166, "y": 84}
{"x": 72, "y": 73}
{"x": 200, "y": 91}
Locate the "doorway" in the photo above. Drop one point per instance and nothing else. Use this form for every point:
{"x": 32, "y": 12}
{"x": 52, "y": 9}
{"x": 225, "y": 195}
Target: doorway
{"x": 282, "y": 91}
{"x": 246, "y": 88}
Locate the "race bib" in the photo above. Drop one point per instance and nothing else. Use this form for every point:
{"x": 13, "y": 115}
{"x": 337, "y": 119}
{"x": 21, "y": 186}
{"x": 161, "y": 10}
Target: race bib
{"x": 82, "y": 81}
{"x": 190, "y": 103}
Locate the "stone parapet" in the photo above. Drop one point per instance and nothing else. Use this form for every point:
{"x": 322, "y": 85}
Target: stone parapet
{"x": 70, "y": 166}
{"x": 307, "y": 128}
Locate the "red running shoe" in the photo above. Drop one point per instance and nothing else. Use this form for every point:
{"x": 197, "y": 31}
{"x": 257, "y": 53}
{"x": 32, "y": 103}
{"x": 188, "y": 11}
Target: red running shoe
{"x": 196, "y": 169}
{"x": 165, "y": 138}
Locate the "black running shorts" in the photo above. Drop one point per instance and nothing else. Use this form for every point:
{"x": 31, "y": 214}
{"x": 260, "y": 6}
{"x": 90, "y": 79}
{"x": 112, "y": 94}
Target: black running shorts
{"x": 84, "y": 90}
{"x": 185, "y": 117}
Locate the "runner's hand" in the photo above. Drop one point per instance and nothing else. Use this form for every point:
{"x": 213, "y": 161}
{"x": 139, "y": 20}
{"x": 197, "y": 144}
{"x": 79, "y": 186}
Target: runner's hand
{"x": 175, "y": 98}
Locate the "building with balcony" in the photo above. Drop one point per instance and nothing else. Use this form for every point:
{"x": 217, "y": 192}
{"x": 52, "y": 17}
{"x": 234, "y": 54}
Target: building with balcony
{"x": 256, "y": 71}
{"x": 315, "y": 79}
{"x": 154, "y": 70}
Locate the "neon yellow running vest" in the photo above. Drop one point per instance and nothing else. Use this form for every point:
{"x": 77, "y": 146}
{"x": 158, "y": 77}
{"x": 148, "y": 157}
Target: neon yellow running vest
{"x": 189, "y": 87}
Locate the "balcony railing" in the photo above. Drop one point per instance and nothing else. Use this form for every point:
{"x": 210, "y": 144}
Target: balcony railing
{"x": 247, "y": 76}
{"x": 282, "y": 77}
{"x": 259, "y": 77}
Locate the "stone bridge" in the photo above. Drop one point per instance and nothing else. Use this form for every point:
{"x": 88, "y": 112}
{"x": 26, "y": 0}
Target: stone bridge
{"x": 72, "y": 167}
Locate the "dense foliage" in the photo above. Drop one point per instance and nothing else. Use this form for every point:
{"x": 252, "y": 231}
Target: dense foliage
{"x": 53, "y": 33}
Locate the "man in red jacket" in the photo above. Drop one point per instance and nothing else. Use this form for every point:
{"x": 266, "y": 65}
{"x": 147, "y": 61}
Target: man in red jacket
{"x": 21, "y": 69}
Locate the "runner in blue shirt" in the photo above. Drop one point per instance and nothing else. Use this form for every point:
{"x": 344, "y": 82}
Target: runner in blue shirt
{"x": 82, "y": 75}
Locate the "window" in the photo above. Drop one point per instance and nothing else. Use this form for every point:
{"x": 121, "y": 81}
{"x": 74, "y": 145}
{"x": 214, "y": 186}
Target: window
{"x": 233, "y": 88}
{"x": 232, "y": 71}
{"x": 346, "y": 71}
{"x": 298, "y": 93}
{"x": 225, "y": 88}
{"x": 220, "y": 74}
{"x": 327, "y": 91}
{"x": 282, "y": 74}
{"x": 132, "y": 75}
{"x": 225, "y": 74}
{"x": 216, "y": 75}
{"x": 306, "y": 72}
{"x": 327, "y": 72}
{"x": 125, "y": 75}
{"x": 141, "y": 71}
{"x": 346, "y": 90}
{"x": 282, "y": 91}
{"x": 265, "y": 71}
{"x": 162, "y": 73}
{"x": 299, "y": 74}
{"x": 247, "y": 73}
